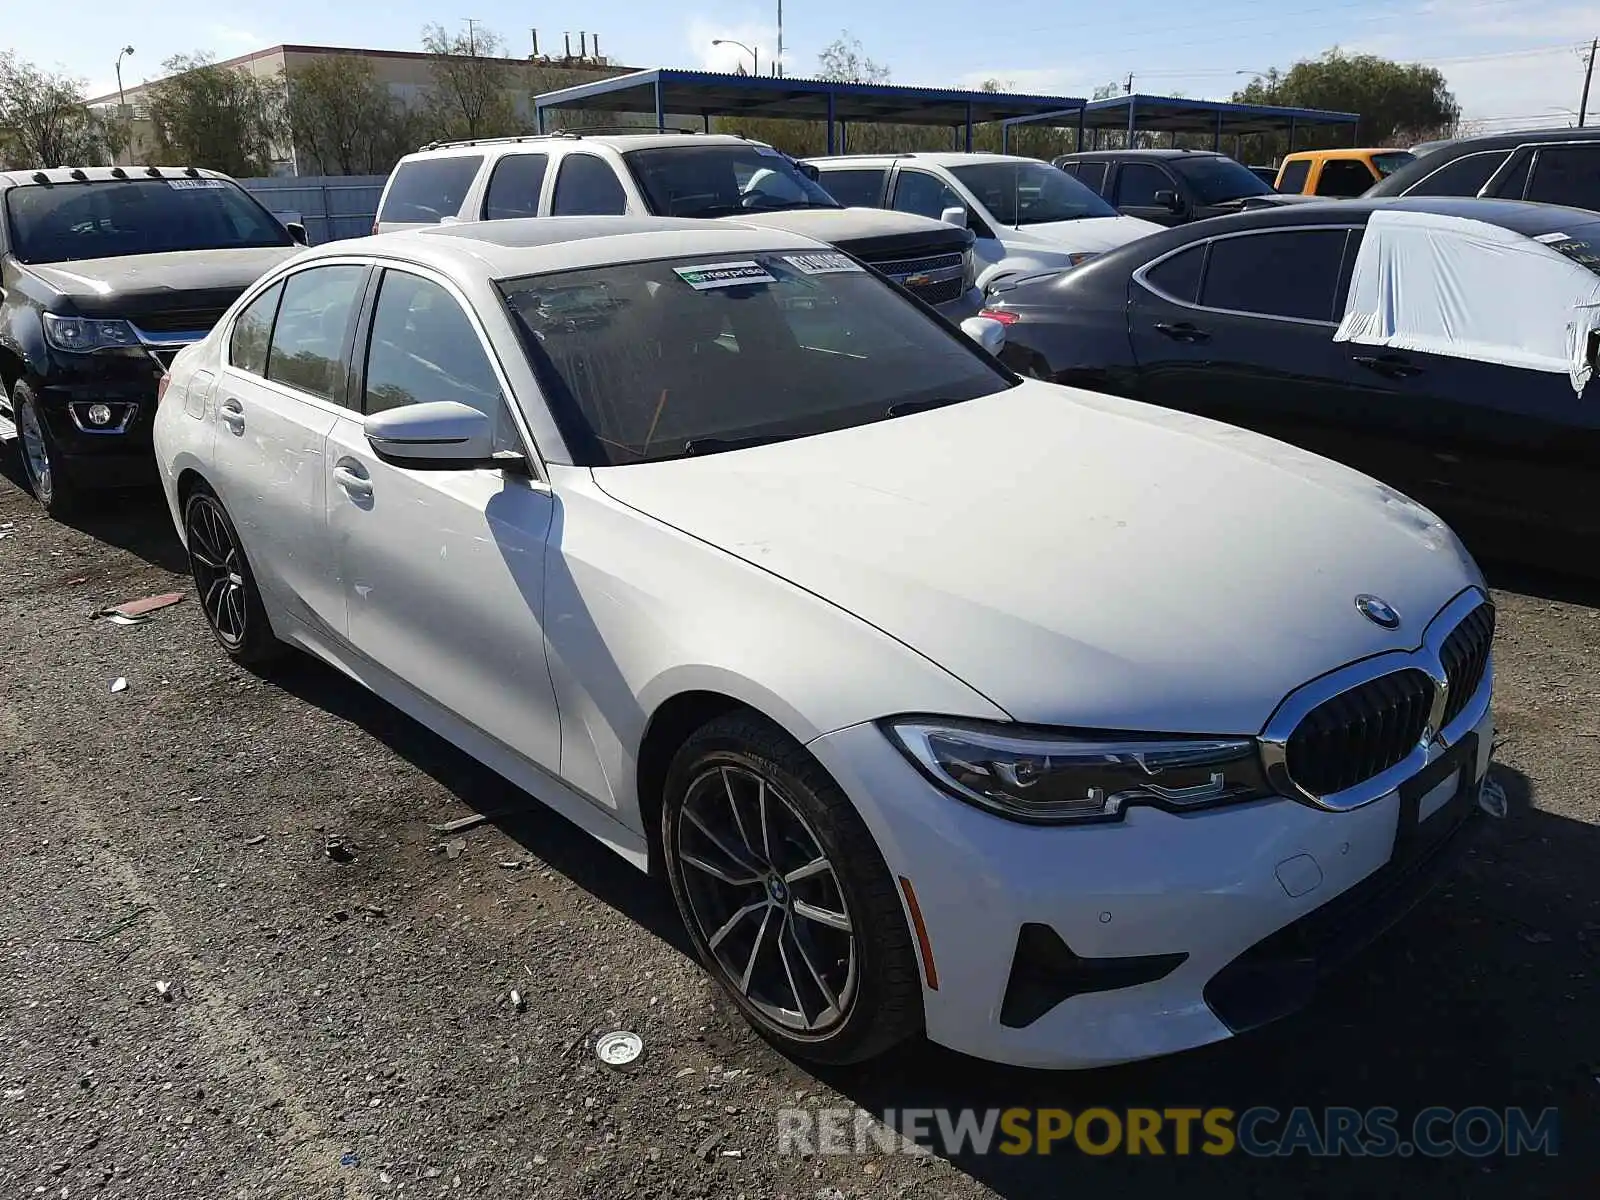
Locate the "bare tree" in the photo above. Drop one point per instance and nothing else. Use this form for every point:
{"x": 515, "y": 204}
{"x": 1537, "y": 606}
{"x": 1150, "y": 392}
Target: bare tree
{"x": 43, "y": 119}
{"x": 472, "y": 85}
{"x": 217, "y": 117}
{"x": 343, "y": 120}
{"x": 844, "y": 60}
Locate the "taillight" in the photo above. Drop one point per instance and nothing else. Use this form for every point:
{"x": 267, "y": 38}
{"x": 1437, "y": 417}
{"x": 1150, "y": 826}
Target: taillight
{"x": 161, "y": 386}
{"x": 999, "y": 314}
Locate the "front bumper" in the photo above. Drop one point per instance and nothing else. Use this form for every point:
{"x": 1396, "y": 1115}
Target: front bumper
{"x": 120, "y": 455}
{"x": 1195, "y": 902}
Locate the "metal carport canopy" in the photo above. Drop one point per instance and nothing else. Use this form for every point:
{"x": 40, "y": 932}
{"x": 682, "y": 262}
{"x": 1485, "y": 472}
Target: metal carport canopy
{"x": 711, "y": 94}
{"x": 1175, "y": 114}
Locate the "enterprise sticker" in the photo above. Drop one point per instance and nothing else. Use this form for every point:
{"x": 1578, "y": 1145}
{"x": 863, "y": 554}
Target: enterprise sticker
{"x": 193, "y": 185}
{"x": 824, "y": 263}
{"x": 720, "y": 275}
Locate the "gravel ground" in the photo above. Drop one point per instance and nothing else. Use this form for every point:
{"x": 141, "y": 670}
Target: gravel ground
{"x": 196, "y": 1001}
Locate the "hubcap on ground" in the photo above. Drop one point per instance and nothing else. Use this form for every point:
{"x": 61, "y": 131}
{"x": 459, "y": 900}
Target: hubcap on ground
{"x": 767, "y": 900}
{"x": 35, "y": 454}
{"x": 216, "y": 562}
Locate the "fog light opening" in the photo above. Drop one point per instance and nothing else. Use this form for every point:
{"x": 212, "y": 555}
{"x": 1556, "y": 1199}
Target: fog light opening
{"x": 99, "y": 415}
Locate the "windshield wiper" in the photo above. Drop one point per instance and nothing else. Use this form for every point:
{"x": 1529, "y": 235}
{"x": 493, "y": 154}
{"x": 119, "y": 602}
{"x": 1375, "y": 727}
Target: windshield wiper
{"x": 715, "y": 445}
{"x": 907, "y": 407}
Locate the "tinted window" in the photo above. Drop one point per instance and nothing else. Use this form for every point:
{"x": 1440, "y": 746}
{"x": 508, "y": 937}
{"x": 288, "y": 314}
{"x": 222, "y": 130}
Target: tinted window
{"x": 515, "y": 186}
{"x": 719, "y": 180}
{"x": 1344, "y": 177}
{"x": 1288, "y": 274}
{"x": 1391, "y": 161}
{"x": 1463, "y": 177}
{"x": 1510, "y": 184}
{"x": 423, "y": 348}
{"x": 308, "y": 337}
{"x": 587, "y": 187}
{"x": 857, "y": 187}
{"x": 924, "y": 194}
{"x": 1292, "y": 179}
{"x": 427, "y": 190}
{"x": 1138, "y": 183}
{"x": 62, "y": 222}
{"x": 1216, "y": 179}
{"x": 1030, "y": 193}
{"x": 252, "y": 330}
{"x": 1179, "y": 276}
{"x": 649, "y": 360}
{"x": 1092, "y": 175}
{"x": 1566, "y": 175}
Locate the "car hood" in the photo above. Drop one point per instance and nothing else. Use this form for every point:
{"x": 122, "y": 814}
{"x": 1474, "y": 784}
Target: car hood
{"x": 865, "y": 232}
{"x": 1076, "y": 558}
{"x": 1093, "y": 234}
{"x": 96, "y": 280}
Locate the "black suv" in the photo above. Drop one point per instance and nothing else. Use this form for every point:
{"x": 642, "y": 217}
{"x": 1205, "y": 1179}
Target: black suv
{"x": 1552, "y": 166}
{"x": 105, "y": 274}
{"x": 1171, "y": 187}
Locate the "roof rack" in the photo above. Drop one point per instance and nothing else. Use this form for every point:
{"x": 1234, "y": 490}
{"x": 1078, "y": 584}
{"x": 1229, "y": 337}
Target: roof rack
{"x": 492, "y": 141}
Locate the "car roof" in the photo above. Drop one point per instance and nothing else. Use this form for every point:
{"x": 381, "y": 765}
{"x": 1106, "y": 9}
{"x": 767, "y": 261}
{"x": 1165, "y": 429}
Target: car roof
{"x": 507, "y": 249}
{"x": 69, "y": 175}
{"x": 939, "y": 158}
{"x": 621, "y": 142}
{"x": 1345, "y": 152}
{"x": 1144, "y": 154}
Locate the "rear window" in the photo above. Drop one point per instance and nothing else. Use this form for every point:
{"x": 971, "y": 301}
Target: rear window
{"x": 1292, "y": 179}
{"x": 63, "y": 222}
{"x": 858, "y": 187}
{"x": 427, "y": 190}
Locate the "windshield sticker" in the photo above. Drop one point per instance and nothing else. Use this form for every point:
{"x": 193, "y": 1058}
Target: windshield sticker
{"x": 721, "y": 275}
{"x": 827, "y": 263}
{"x": 1550, "y": 239}
{"x": 190, "y": 185}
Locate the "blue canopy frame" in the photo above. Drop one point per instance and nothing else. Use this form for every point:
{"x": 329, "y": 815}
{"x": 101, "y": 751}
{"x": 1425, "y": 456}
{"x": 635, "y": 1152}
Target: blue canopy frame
{"x": 1176, "y": 114}
{"x": 665, "y": 90}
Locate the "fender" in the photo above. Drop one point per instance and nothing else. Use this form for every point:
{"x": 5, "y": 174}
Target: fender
{"x": 22, "y": 335}
{"x": 1021, "y": 264}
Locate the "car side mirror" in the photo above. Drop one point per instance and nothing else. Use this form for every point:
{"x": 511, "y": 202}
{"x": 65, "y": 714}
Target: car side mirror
{"x": 954, "y": 215}
{"x": 991, "y": 335}
{"x": 810, "y": 172}
{"x": 440, "y": 435}
{"x": 297, "y": 233}
{"x": 1168, "y": 199}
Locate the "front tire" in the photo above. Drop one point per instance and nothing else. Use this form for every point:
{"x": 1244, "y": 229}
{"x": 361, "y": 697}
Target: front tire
{"x": 224, "y": 583}
{"x": 41, "y": 457}
{"x": 785, "y": 895}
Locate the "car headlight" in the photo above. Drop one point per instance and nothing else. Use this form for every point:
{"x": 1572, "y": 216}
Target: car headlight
{"x": 1052, "y": 777}
{"x": 81, "y": 335}
{"x": 969, "y": 271}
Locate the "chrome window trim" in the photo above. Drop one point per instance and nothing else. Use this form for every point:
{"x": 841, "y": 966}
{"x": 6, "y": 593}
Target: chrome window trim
{"x": 1428, "y": 658}
{"x": 1139, "y": 275}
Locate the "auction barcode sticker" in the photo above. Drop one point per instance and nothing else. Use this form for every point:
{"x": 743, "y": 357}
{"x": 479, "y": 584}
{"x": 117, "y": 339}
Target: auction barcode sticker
{"x": 190, "y": 185}
{"x": 720, "y": 275}
{"x": 825, "y": 263}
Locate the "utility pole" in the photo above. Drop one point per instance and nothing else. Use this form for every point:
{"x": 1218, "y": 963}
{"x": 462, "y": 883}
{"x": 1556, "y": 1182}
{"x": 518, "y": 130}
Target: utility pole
{"x": 1588, "y": 74}
{"x": 472, "y": 36}
{"x": 779, "y": 63}
{"x": 1127, "y": 88}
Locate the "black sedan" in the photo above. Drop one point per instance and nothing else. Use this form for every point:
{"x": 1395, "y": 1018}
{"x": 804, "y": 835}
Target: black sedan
{"x": 1236, "y": 318}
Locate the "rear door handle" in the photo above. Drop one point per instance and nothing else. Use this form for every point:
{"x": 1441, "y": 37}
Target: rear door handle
{"x": 1391, "y": 366}
{"x": 232, "y": 414}
{"x": 353, "y": 478}
{"x": 1182, "y": 331}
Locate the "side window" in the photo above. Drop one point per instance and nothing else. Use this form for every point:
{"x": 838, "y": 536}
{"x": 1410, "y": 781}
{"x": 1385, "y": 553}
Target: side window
{"x": 252, "y": 330}
{"x": 1288, "y": 274}
{"x": 1344, "y": 177}
{"x": 1093, "y": 176}
{"x": 1179, "y": 276}
{"x": 857, "y": 187}
{"x": 1138, "y": 183}
{"x": 1070, "y": 168}
{"x": 1514, "y": 182}
{"x": 1567, "y": 175}
{"x": 1463, "y": 177}
{"x": 923, "y": 194}
{"x": 423, "y": 348}
{"x": 1292, "y": 179}
{"x": 587, "y": 186}
{"x": 515, "y": 186}
{"x": 309, "y": 335}
{"x": 427, "y": 190}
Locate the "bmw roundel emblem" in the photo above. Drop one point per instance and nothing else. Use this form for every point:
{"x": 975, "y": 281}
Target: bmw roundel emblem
{"x": 1378, "y": 611}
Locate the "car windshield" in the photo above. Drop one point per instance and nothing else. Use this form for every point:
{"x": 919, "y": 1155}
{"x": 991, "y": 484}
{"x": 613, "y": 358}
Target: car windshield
{"x": 1216, "y": 180}
{"x": 663, "y": 359}
{"x": 61, "y": 222}
{"x": 722, "y": 180}
{"x": 1391, "y": 161}
{"x": 1581, "y": 244}
{"x": 1030, "y": 193}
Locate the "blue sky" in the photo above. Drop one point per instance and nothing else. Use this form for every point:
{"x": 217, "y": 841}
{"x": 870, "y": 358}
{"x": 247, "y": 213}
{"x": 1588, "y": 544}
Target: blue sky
{"x": 1510, "y": 62}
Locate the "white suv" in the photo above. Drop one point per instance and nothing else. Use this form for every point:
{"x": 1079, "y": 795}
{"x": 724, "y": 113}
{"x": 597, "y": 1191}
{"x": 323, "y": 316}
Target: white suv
{"x": 674, "y": 175}
{"x": 1027, "y": 215}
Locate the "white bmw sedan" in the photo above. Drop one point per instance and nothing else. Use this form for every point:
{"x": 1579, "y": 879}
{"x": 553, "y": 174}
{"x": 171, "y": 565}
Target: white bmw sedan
{"x": 1065, "y": 729}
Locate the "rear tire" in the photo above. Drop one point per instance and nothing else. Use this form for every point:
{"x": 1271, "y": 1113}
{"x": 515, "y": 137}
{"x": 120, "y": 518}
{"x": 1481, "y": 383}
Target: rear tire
{"x": 785, "y": 894}
{"x": 224, "y": 583}
{"x": 41, "y": 457}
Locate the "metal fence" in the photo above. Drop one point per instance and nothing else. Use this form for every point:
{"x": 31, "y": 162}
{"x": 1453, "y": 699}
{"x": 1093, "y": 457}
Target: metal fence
{"x": 329, "y": 206}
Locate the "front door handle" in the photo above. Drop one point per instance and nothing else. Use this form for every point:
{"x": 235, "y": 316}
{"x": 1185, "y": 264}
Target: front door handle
{"x": 232, "y": 414}
{"x": 1391, "y": 366}
{"x": 1182, "y": 331}
{"x": 353, "y": 478}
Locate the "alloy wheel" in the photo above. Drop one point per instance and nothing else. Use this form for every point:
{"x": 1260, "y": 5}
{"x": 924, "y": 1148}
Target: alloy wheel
{"x": 35, "y": 453}
{"x": 217, "y": 562}
{"x": 767, "y": 901}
